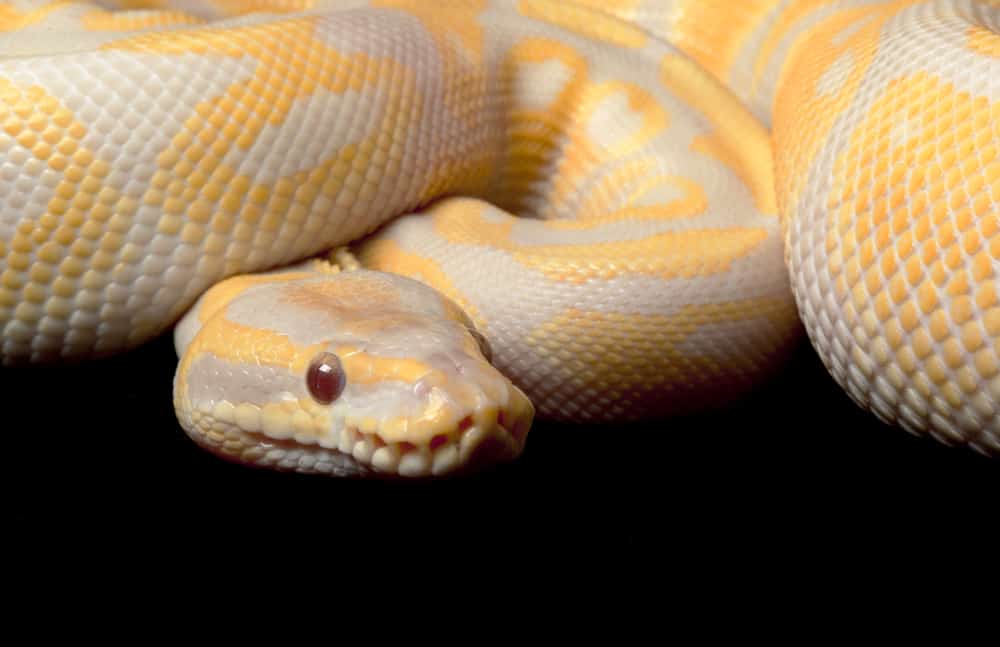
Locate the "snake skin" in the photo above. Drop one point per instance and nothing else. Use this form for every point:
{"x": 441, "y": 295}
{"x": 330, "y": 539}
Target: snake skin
{"x": 631, "y": 200}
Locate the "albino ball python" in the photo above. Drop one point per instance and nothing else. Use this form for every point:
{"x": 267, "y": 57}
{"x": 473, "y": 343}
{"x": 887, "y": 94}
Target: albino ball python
{"x": 688, "y": 175}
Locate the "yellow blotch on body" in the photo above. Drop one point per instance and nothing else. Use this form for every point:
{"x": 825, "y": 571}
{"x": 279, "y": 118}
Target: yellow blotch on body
{"x": 667, "y": 255}
{"x": 100, "y": 20}
{"x": 803, "y": 115}
{"x": 641, "y": 357}
{"x": 585, "y": 21}
{"x": 460, "y": 20}
{"x": 983, "y": 41}
{"x": 696, "y": 27}
{"x": 738, "y": 139}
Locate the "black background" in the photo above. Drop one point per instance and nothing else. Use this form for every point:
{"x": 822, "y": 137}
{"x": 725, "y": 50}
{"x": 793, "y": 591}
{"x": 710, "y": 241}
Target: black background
{"x": 94, "y": 453}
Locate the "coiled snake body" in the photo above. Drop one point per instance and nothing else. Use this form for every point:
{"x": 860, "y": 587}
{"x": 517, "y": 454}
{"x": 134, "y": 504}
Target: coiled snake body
{"x": 619, "y": 208}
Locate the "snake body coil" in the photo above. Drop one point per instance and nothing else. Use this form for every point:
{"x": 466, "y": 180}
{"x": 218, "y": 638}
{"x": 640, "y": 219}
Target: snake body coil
{"x": 621, "y": 207}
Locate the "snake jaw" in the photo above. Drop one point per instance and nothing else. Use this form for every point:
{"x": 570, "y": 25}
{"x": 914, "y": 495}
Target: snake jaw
{"x": 245, "y": 434}
{"x": 458, "y": 427}
{"x": 486, "y": 438}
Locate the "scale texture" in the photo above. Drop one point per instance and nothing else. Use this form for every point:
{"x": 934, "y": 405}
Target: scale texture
{"x": 629, "y": 205}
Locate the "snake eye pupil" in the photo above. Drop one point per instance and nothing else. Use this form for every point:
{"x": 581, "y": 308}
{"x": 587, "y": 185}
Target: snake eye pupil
{"x": 326, "y": 379}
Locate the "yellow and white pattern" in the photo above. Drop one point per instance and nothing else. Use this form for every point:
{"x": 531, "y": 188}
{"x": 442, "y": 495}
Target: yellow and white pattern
{"x": 629, "y": 199}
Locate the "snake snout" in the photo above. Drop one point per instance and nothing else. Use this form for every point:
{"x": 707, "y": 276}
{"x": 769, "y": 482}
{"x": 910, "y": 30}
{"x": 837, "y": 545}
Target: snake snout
{"x": 486, "y": 440}
{"x": 461, "y": 427}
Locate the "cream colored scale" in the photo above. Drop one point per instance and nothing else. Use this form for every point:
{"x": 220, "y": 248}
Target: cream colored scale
{"x": 614, "y": 210}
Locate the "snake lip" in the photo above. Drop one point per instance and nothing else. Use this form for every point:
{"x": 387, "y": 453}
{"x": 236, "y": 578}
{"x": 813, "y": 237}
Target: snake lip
{"x": 469, "y": 447}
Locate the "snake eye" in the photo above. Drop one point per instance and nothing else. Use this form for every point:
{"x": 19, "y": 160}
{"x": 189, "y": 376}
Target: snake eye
{"x": 484, "y": 346}
{"x": 326, "y": 379}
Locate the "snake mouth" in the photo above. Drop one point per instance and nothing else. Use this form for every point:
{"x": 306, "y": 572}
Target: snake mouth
{"x": 470, "y": 446}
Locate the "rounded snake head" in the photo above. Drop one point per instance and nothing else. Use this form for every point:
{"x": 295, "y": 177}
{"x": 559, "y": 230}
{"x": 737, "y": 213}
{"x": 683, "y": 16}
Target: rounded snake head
{"x": 347, "y": 373}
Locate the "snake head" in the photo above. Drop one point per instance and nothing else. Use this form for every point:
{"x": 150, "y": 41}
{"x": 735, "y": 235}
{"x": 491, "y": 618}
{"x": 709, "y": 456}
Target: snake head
{"x": 352, "y": 373}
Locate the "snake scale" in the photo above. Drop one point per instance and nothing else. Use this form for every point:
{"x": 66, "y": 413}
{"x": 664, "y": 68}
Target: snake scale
{"x": 594, "y": 211}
